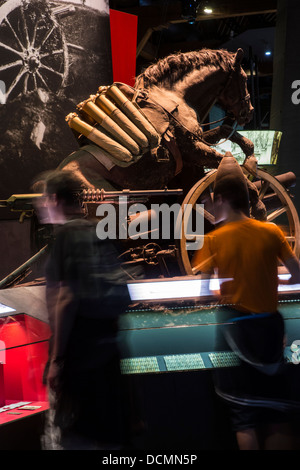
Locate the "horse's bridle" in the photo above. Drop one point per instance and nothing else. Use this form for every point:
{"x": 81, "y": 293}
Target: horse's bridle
{"x": 245, "y": 100}
{"x": 243, "y": 112}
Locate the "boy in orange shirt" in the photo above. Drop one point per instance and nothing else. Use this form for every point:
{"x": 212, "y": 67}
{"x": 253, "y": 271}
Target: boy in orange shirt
{"x": 246, "y": 252}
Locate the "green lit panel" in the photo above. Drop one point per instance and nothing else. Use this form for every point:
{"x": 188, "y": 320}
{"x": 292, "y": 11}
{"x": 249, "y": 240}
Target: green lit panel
{"x": 184, "y": 362}
{"x": 224, "y": 359}
{"x": 139, "y": 365}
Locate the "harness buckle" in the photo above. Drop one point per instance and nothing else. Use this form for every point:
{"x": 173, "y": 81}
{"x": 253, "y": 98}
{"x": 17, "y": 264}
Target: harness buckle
{"x": 161, "y": 154}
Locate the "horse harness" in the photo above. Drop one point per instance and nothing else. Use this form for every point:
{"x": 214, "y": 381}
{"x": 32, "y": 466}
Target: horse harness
{"x": 152, "y": 111}
{"x": 169, "y": 139}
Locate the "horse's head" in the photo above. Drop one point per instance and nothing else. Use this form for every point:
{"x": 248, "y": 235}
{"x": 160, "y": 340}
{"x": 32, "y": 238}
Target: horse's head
{"x": 235, "y": 97}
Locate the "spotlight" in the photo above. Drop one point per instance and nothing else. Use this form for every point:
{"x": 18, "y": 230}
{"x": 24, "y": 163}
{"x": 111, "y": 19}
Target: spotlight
{"x": 192, "y": 8}
{"x": 268, "y": 53}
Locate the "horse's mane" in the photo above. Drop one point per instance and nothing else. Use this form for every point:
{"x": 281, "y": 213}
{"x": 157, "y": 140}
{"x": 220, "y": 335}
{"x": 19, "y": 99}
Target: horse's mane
{"x": 175, "y": 66}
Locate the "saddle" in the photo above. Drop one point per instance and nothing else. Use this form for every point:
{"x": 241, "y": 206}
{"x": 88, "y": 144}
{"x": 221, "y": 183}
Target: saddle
{"x": 123, "y": 123}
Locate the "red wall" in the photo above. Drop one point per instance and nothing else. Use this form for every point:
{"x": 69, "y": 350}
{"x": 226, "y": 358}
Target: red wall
{"x": 123, "y": 29}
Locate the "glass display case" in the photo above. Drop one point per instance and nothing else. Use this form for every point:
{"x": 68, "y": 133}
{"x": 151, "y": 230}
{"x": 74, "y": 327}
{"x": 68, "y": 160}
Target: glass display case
{"x": 23, "y": 355}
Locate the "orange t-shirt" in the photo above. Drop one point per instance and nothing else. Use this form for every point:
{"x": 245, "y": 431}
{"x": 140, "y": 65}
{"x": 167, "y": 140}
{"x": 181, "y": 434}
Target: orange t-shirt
{"x": 247, "y": 252}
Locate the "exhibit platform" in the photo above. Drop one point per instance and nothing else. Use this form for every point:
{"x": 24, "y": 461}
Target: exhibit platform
{"x": 168, "y": 348}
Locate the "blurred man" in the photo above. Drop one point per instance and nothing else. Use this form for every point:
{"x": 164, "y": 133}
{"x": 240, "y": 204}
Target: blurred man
{"x": 85, "y": 297}
{"x": 246, "y": 253}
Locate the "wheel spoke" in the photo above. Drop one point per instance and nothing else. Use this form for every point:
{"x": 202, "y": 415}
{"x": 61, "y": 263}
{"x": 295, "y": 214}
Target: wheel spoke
{"x": 14, "y": 33}
{"x": 25, "y": 26}
{"x": 35, "y": 82}
{"x": 193, "y": 236}
{"x": 25, "y": 86}
{"x": 16, "y": 80}
{"x": 12, "y": 64}
{"x": 75, "y": 46}
{"x": 43, "y": 66}
{"x": 34, "y": 34}
{"x": 49, "y": 54}
{"x": 8, "y": 48}
{"x": 207, "y": 215}
{"x": 42, "y": 79}
{"x": 47, "y": 36}
{"x": 207, "y": 199}
{"x": 275, "y": 214}
{"x": 195, "y": 271}
{"x": 264, "y": 187}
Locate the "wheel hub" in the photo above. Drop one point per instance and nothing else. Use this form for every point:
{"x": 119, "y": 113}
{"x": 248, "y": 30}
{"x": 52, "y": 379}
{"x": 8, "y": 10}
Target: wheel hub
{"x": 31, "y": 60}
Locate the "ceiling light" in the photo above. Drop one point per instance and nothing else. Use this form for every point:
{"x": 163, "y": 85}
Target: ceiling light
{"x": 208, "y": 10}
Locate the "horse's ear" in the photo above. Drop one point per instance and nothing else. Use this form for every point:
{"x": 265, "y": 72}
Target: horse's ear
{"x": 238, "y": 57}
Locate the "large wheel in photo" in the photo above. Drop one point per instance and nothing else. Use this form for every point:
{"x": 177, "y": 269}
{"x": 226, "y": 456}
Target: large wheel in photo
{"x": 33, "y": 50}
{"x": 277, "y": 200}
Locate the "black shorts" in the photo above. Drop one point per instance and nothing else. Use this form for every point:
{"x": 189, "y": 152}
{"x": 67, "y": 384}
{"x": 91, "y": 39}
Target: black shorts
{"x": 249, "y": 417}
{"x": 255, "y": 389}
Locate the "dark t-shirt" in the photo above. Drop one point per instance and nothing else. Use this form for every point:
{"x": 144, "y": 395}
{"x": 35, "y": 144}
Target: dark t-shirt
{"x": 91, "y": 269}
{"x": 88, "y": 265}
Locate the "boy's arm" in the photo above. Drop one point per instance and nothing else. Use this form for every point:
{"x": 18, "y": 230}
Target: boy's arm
{"x": 292, "y": 265}
{"x": 204, "y": 259}
{"x": 287, "y": 257}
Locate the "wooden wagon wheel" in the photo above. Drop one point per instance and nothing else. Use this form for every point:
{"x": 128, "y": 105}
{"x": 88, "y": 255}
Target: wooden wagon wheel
{"x": 34, "y": 53}
{"x": 270, "y": 191}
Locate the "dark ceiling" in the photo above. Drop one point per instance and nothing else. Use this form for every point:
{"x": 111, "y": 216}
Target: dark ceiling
{"x": 168, "y": 26}
{"x": 165, "y": 26}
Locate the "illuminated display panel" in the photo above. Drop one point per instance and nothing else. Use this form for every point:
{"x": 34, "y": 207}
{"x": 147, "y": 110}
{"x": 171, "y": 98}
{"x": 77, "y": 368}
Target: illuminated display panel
{"x": 266, "y": 146}
{"x": 187, "y": 288}
{"x": 172, "y": 289}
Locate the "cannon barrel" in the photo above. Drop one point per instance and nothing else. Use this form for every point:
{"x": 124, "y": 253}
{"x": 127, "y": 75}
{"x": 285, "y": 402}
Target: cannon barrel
{"x": 288, "y": 180}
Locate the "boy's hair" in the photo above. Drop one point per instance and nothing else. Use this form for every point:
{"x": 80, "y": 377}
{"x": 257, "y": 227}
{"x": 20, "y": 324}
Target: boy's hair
{"x": 231, "y": 184}
{"x": 235, "y": 195}
{"x": 66, "y": 186}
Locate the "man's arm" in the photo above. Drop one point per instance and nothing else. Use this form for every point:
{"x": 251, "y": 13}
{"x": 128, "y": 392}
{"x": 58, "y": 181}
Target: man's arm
{"x": 64, "y": 320}
{"x": 65, "y": 313}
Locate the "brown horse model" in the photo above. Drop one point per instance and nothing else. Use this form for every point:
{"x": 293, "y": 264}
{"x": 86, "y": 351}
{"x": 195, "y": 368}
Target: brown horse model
{"x": 175, "y": 95}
